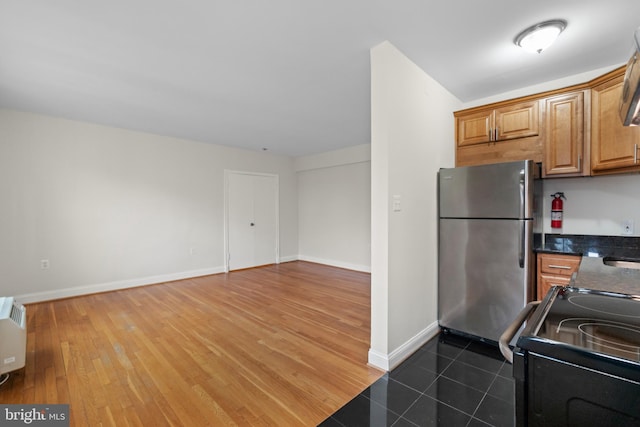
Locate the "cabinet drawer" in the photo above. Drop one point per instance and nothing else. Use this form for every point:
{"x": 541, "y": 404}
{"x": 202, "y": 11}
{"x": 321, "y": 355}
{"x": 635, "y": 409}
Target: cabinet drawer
{"x": 562, "y": 265}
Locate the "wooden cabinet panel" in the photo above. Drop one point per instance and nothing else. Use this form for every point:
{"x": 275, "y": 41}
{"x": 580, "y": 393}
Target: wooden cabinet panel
{"x": 614, "y": 148}
{"x": 474, "y": 128}
{"x": 565, "y": 150}
{"x": 517, "y": 121}
{"x": 555, "y": 270}
{"x": 505, "y": 151}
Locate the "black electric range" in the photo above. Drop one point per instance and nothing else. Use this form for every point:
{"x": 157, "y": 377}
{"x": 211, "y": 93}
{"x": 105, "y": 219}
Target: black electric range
{"x": 577, "y": 361}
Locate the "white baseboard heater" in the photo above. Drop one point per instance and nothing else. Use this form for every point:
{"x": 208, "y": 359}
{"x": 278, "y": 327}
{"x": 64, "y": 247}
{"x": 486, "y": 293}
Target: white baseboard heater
{"x": 13, "y": 336}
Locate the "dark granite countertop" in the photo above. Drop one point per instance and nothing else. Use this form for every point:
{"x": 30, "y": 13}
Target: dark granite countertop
{"x": 547, "y": 250}
{"x": 593, "y": 273}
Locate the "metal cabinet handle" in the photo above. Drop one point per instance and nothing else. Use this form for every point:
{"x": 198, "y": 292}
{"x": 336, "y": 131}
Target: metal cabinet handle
{"x": 511, "y": 331}
{"x": 635, "y": 153}
{"x": 562, "y": 267}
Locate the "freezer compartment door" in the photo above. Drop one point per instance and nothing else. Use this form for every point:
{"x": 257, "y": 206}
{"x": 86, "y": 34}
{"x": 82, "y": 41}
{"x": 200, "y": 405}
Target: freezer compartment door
{"x": 485, "y": 274}
{"x": 503, "y": 190}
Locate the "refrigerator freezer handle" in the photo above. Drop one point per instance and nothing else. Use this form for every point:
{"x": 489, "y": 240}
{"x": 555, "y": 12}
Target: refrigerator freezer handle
{"x": 523, "y": 188}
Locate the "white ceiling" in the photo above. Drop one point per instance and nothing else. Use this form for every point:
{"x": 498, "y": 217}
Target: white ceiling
{"x": 291, "y": 76}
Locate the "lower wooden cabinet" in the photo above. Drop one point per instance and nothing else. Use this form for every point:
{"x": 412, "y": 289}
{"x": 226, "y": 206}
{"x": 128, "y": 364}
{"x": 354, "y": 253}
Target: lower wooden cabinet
{"x": 555, "y": 270}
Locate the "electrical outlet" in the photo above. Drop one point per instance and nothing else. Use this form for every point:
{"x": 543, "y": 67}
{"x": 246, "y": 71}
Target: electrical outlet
{"x": 44, "y": 264}
{"x": 627, "y": 226}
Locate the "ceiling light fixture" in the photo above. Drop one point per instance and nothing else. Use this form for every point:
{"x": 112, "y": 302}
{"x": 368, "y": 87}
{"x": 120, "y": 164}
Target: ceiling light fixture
{"x": 540, "y": 36}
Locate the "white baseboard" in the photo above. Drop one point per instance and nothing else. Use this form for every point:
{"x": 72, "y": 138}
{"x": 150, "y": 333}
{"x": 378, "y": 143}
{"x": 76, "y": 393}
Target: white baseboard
{"x": 397, "y": 356}
{"x": 112, "y": 286}
{"x": 379, "y": 360}
{"x": 333, "y": 263}
{"x": 151, "y": 280}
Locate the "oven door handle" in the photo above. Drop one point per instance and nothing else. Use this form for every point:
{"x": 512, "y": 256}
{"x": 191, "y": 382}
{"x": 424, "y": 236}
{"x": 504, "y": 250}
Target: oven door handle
{"x": 511, "y": 331}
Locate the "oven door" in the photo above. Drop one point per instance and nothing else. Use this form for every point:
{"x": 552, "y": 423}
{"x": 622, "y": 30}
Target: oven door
{"x": 550, "y": 392}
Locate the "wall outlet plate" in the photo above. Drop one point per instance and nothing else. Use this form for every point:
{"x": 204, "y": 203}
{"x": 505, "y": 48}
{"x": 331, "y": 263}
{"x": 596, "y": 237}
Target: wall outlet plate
{"x": 627, "y": 226}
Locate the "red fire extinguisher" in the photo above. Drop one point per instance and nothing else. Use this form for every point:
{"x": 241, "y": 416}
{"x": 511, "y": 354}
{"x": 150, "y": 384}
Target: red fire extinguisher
{"x": 556, "y": 210}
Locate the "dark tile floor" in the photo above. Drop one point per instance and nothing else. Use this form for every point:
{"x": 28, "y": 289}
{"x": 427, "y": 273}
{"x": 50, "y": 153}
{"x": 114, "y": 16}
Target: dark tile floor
{"x": 450, "y": 381}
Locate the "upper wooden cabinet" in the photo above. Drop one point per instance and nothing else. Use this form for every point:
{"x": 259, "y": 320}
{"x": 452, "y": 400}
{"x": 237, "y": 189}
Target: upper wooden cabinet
{"x": 614, "y": 148}
{"x": 474, "y": 128}
{"x": 573, "y": 131}
{"x": 517, "y": 121}
{"x": 497, "y": 124}
{"x": 565, "y": 141}
{"x": 498, "y": 133}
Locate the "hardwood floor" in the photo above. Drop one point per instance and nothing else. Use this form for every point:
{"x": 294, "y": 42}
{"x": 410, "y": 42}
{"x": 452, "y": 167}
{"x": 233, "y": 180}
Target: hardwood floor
{"x": 281, "y": 345}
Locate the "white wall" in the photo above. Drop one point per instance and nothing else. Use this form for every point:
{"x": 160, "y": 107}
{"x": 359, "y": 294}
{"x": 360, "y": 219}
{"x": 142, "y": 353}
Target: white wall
{"x": 412, "y": 137}
{"x": 112, "y": 208}
{"x": 595, "y": 205}
{"x": 334, "y": 208}
{"x": 543, "y": 87}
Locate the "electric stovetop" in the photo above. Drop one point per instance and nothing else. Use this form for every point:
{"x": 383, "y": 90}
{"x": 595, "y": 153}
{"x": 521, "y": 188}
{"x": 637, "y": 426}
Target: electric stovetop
{"x": 595, "y": 329}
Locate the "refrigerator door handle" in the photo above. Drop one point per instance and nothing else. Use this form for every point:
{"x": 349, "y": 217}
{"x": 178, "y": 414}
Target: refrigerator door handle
{"x": 522, "y": 238}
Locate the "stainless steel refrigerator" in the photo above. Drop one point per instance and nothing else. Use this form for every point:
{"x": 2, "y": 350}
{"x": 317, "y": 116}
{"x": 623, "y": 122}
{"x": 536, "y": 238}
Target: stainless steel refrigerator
{"x": 486, "y": 263}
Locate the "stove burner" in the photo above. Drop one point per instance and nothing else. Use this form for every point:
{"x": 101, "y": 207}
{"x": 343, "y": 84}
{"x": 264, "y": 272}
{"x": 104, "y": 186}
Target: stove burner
{"x": 616, "y": 338}
{"x": 623, "y": 307}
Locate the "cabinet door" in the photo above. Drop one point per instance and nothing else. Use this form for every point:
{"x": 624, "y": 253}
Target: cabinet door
{"x": 614, "y": 148}
{"x": 517, "y": 121}
{"x": 547, "y": 282}
{"x": 564, "y": 145}
{"x": 474, "y": 128}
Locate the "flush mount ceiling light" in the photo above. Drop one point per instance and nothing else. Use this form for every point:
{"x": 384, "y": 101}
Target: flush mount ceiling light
{"x": 540, "y": 36}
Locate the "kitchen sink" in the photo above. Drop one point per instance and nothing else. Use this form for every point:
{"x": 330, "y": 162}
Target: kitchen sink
{"x": 622, "y": 262}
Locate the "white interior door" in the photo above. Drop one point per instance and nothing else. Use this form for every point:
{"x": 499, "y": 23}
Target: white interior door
{"x": 252, "y": 220}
